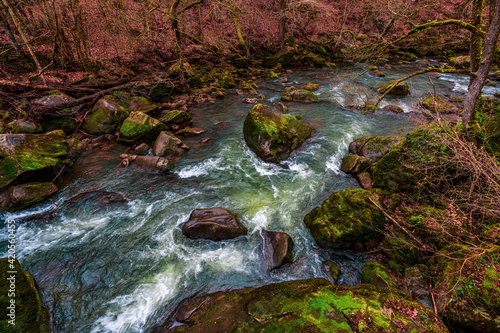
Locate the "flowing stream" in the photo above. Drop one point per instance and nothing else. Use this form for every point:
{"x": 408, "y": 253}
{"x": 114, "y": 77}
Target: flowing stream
{"x": 118, "y": 267}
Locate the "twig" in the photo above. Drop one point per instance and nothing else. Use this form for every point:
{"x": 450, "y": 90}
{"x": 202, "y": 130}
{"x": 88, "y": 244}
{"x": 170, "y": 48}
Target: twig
{"x": 433, "y": 300}
{"x": 422, "y": 245}
{"x": 54, "y": 203}
{"x": 58, "y": 174}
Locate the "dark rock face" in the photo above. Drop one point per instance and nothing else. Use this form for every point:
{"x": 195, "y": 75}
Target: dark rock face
{"x": 21, "y": 196}
{"x": 374, "y": 147}
{"x": 273, "y": 136}
{"x": 312, "y": 305}
{"x": 278, "y": 247}
{"x": 214, "y": 223}
{"x": 30, "y": 315}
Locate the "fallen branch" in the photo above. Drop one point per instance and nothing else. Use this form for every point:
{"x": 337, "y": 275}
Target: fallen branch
{"x": 35, "y": 110}
{"x": 427, "y": 70}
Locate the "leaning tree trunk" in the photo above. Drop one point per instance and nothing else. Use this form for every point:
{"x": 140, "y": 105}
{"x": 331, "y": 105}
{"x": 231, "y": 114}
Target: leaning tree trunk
{"x": 475, "y": 88}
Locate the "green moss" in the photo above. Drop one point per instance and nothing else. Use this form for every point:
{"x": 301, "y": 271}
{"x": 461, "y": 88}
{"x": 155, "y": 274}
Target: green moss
{"x": 311, "y": 86}
{"x": 140, "y": 127}
{"x": 437, "y": 104}
{"x": 31, "y": 316}
{"x": 273, "y": 136}
{"x": 299, "y": 95}
{"x": 311, "y": 305}
{"x": 160, "y": 91}
{"x": 376, "y": 274}
{"x": 401, "y": 89}
{"x": 176, "y": 116}
{"x": 23, "y": 153}
{"x": 347, "y": 219}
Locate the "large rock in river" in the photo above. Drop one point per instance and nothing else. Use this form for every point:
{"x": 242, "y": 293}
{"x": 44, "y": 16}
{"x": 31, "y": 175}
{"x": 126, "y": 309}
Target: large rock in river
{"x": 299, "y": 95}
{"x": 273, "y": 136}
{"x": 401, "y": 89}
{"x": 374, "y": 147}
{"x": 347, "y": 220}
{"x": 29, "y": 312}
{"x": 312, "y": 305}
{"x": 21, "y": 196}
{"x": 31, "y": 155}
{"x": 140, "y": 127}
{"x": 105, "y": 117}
{"x": 278, "y": 247}
{"x": 168, "y": 144}
{"x": 214, "y": 223}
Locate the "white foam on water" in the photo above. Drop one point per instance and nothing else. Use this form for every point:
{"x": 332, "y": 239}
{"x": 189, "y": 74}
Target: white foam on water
{"x": 131, "y": 311}
{"x": 260, "y": 220}
{"x": 200, "y": 169}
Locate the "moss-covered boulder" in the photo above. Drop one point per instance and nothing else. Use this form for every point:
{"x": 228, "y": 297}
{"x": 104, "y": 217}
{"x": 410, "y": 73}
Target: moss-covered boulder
{"x": 466, "y": 285}
{"x": 105, "y": 117}
{"x": 278, "y": 247}
{"x": 24, "y": 126}
{"x": 331, "y": 270}
{"x": 168, "y": 144}
{"x": 347, "y": 220}
{"x": 354, "y": 164}
{"x": 299, "y": 95}
{"x": 273, "y": 136}
{"x": 392, "y": 108}
{"x": 189, "y": 132}
{"x": 312, "y": 305}
{"x": 311, "y": 86}
{"x": 28, "y": 156}
{"x": 401, "y": 89}
{"x": 365, "y": 180}
{"x": 22, "y": 196}
{"x": 133, "y": 103}
{"x": 408, "y": 56}
{"x": 20, "y": 302}
{"x": 226, "y": 82}
{"x": 437, "y": 104}
{"x": 140, "y": 127}
{"x": 378, "y": 275}
{"x": 460, "y": 61}
{"x": 247, "y": 88}
{"x": 177, "y": 119}
{"x": 213, "y": 223}
{"x": 374, "y": 147}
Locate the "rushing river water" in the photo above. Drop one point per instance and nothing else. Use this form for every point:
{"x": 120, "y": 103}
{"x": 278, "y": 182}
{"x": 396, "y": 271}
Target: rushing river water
{"x": 118, "y": 267}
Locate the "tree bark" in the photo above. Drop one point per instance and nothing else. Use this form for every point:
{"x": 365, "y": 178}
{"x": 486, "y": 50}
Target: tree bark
{"x": 282, "y": 23}
{"x": 476, "y": 42}
{"x": 475, "y": 88}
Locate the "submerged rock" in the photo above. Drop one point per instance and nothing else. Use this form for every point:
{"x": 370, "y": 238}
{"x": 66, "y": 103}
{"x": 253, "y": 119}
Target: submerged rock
{"x": 347, "y": 220}
{"x": 105, "y": 117}
{"x": 312, "y": 305}
{"x": 401, "y": 89}
{"x": 213, "y": 223}
{"x": 139, "y": 127}
{"x": 190, "y": 131}
{"x": 392, "y": 108}
{"x": 29, "y": 312}
{"x": 31, "y": 155}
{"x": 21, "y": 196}
{"x": 278, "y": 247}
{"x": 168, "y": 144}
{"x": 299, "y": 95}
{"x": 273, "y": 136}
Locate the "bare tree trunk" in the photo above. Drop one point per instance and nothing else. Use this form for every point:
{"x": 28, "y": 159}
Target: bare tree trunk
{"x": 8, "y": 30}
{"x": 25, "y": 40}
{"x": 282, "y": 23}
{"x": 490, "y": 43}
